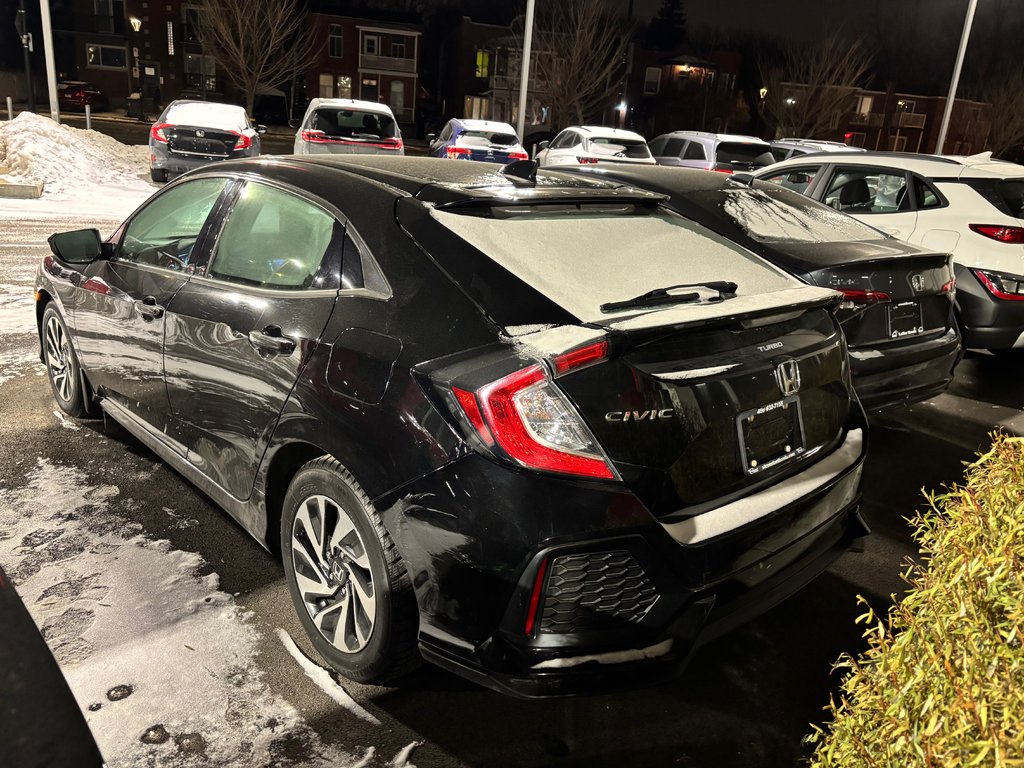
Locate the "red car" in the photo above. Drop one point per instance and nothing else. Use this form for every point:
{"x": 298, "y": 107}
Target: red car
{"x": 75, "y": 95}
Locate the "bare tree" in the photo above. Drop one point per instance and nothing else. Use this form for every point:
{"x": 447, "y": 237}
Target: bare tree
{"x": 580, "y": 58}
{"x": 812, "y": 86}
{"x": 257, "y": 42}
{"x": 1006, "y": 95}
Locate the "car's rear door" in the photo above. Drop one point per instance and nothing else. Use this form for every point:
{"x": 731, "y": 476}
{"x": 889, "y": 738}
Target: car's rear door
{"x": 240, "y": 333}
{"x": 877, "y": 196}
{"x": 123, "y": 301}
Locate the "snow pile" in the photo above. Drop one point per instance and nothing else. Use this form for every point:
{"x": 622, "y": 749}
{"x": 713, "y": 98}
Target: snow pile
{"x": 70, "y": 161}
{"x": 161, "y": 660}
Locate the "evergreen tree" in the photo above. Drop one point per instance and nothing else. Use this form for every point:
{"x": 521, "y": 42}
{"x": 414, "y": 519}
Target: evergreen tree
{"x": 667, "y": 30}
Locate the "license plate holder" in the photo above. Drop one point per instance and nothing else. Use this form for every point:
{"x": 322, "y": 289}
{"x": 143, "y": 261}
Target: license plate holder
{"x": 905, "y": 319}
{"x": 770, "y": 435}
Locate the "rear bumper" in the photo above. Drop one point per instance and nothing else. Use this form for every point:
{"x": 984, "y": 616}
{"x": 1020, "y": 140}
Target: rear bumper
{"x": 987, "y": 322}
{"x": 621, "y": 607}
{"x": 893, "y": 375}
{"x": 162, "y": 159}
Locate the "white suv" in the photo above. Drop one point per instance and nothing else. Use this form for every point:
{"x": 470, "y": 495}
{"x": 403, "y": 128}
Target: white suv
{"x": 348, "y": 127}
{"x": 724, "y": 152}
{"x": 972, "y": 207}
{"x": 592, "y": 144}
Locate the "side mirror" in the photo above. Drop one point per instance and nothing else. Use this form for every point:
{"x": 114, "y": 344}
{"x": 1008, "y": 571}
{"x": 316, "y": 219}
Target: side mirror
{"x": 430, "y": 138}
{"x": 543, "y": 145}
{"x": 261, "y": 129}
{"x": 80, "y": 246}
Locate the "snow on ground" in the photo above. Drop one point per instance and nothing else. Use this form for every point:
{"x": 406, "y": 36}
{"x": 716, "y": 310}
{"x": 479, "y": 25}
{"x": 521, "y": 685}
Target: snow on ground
{"x": 160, "y": 660}
{"x": 82, "y": 171}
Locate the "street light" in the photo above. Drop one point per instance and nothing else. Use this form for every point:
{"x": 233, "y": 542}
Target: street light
{"x": 947, "y": 113}
{"x": 524, "y": 68}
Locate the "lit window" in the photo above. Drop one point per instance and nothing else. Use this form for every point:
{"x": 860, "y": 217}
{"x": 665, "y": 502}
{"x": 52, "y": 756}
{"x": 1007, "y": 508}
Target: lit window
{"x": 483, "y": 63}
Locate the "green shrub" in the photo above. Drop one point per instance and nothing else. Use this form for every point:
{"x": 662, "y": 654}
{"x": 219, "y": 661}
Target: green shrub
{"x": 942, "y": 682}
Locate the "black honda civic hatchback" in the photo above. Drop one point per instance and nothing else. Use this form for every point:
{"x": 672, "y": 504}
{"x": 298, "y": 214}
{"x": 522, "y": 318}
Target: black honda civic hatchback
{"x": 898, "y": 299}
{"x": 537, "y": 429}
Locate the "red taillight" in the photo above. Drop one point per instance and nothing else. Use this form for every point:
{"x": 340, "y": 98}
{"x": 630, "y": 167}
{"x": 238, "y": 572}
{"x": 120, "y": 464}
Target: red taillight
{"x": 722, "y": 170}
{"x": 532, "y": 422}
{"x": 1012, "y": 235}
{"x": 586, "y": 160}
{"x": 242, "y": 142}
{"x": 456, "y": 152}
{"x": 579, "y": 358}
{"x": 314, "y": 137}
{"x": 863, "y": 297}
{"x": 535, "y": 593}
{"x": 468, "y": 403}
{"x": 518, "y": 156}
{"x": 157, "y": 132}
{"x": 1008, "y": 287}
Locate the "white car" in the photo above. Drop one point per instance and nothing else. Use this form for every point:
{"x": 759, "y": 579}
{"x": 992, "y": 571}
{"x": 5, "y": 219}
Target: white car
{"x": 972, "y": 207}
{"x": 723, "y": 152}
{"x": 348, "y": 127}
{"x": 784, "y": 149}
{"x": 592, "y": 144}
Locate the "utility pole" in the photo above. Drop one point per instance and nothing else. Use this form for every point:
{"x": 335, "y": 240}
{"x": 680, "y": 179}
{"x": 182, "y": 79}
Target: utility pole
{"x": 524, "y": 69}
{"x": 51, "y": 67}
{"x": 947, "y": 113}
{"x": 21, "y": 24}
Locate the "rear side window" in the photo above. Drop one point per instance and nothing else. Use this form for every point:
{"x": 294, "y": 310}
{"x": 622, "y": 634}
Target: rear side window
{"x": 601, "y": 145}
{"x": 695, "y": 151}
{"x": 737, "y": 153}
{"x": 1012, "y": 195}
{"x": 926, "y": 196}
{"x": 780, "y": 153}
{"x": 274, "y": 239}
{"x": 353, "y": 123}
{"x": 797, "y": 179}
{"x": 165, "y": 231}
{"x": 657, "y": 145}
{"x": 674, "y": 147}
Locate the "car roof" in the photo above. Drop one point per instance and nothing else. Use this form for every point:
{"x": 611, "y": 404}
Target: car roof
{"x": 933, "y": 166}
{"x": 821, "y": 146}
{"x": 435, "y": 180}
{"x": 720, "y": 137}
{"x": 601, "y": 130}
{"x": 484, "y": 125}
{"x": 366, "y": 106}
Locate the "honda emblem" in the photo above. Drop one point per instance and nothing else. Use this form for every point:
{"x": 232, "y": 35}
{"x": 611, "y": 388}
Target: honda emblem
{"x": 787, "y": 376}
{"x": 200, "y": 134}
{"x": 917, "y": 283}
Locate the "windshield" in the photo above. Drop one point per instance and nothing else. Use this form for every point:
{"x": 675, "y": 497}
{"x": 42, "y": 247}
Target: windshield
{"x": 622, "y": 256}
{"x": 492, "y": 137}
{"x": 605, "y": 145}
{"x": 750, "y": 154}
{"x": 353, "y": 123}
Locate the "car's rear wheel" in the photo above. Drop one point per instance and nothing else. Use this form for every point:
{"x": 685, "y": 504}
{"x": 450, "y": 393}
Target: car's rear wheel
{"x": 158, "y": 174}
{"x": 346, "y": 579}
{"x": 61, "y": 364}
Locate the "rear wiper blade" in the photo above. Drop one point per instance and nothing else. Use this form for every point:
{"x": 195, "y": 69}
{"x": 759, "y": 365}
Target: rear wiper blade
{"x": 661, "y": 296}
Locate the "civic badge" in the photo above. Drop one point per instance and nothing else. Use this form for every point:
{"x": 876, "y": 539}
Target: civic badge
{"x": 787, "y": 376}
{"x": 917, "y": 283}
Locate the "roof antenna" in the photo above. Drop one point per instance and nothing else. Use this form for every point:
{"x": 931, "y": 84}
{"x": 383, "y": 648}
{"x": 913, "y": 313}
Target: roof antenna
{"x": 522, "y": 169}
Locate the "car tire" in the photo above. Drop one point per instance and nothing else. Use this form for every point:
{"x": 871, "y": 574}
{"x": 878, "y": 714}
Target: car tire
{"x": 158, "y": 174}
{"x": 62, "y": 368}
{"x": 351, "y": 589}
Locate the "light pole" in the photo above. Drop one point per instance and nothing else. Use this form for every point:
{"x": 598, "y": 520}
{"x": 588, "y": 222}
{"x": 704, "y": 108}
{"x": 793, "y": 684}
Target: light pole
{"x": 524, "y": 69}
{"x": 51, "y": 68}
{"x": 944, "y": 128}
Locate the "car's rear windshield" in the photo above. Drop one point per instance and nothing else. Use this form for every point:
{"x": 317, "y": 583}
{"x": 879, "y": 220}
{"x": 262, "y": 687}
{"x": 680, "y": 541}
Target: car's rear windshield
{"x": 768, "y": 213}
{"x": 580, "y": 261}
{"x": 624, "y": 147}
{"x": 208, "y": 116}
{"x": 353, "y": 123}
{"x": 494, "y": 137}
{"x": 743, "y": 153}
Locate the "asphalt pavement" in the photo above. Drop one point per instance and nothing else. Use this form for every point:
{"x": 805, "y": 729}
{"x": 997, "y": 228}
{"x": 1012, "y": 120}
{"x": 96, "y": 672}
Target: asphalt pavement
{"x": 746, "y": 700}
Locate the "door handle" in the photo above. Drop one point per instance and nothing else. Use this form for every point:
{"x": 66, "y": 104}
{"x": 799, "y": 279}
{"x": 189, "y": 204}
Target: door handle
{"x": 148, "y": 308}
{"x": 271, "y": 340}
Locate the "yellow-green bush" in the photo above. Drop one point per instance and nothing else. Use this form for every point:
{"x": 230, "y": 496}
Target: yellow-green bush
{"x": 942, "y": 682}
